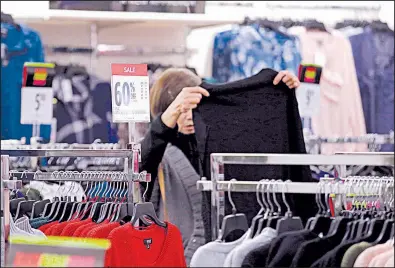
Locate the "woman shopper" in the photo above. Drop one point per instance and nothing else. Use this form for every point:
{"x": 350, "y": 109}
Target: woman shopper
{"x": 173, "y": 97}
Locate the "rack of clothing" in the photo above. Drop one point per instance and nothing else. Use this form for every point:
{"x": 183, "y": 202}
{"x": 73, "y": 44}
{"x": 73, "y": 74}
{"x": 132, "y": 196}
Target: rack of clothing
{"x": 278, "y": 238}
{"x": 218, "y": 162}
{"x": 107, "y": 210}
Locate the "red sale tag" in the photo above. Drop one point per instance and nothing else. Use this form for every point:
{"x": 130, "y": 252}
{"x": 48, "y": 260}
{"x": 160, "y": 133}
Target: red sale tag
{"x": 130, "y": 93}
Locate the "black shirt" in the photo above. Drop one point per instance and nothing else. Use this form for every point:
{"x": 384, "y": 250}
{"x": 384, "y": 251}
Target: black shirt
{"x": 252, "y": 116}
{"x": 285, "y": 246}
{"x": 257, "y": 257}
{"x": 311, "y": 251}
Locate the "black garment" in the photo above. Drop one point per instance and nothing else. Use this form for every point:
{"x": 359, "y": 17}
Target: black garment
{"x": 154, "y": 144}
{"x": 257, "y": 257}
{"x": 252, "y": 116}
{"x": 311, "y": 251}
{"x": 284, "y": 247}
{"x": 334, "y": 257}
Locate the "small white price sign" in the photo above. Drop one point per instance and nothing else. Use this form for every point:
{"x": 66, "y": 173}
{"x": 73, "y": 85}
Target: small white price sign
{"x": 308, "y": 95}
{"x": 130, "y": 93}
{"x": 36, "y": 105}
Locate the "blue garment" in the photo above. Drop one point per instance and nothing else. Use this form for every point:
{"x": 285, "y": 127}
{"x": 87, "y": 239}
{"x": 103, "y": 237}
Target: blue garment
{"x": 19, "y": 45}
{"x": 105, "y": 129}
{"x": 245, "y": 50}
{"x": 374, "y": 62}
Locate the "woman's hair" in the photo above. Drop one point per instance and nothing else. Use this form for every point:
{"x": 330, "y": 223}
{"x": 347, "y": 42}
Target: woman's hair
{"x": 168, "y": 86}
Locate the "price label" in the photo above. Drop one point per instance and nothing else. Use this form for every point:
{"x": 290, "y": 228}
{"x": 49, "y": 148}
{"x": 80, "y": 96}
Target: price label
{"x": 308, "y": 93}
{"x": 308, "y": 96}
{"x": 36, "y": 105}
{"x": 130, "y": 93}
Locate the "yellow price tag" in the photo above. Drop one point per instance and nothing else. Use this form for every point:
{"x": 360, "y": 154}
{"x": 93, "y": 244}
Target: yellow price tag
{"x": 53, "y": 260}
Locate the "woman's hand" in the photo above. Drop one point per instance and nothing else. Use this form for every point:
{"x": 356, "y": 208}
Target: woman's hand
{"x": 186, "y": 100}
{"x": 288, "y": 78}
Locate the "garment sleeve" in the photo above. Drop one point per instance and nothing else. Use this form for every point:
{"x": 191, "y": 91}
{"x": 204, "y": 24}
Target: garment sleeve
{"x": 356, "y": 117}
{"x": 153, "y": 147}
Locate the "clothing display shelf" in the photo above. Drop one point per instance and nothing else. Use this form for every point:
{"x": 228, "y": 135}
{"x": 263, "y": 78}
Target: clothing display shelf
{"x": 218, "y": 185}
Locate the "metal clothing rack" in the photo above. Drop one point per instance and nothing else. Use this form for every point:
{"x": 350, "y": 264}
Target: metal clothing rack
{"x": 217, "y": 185}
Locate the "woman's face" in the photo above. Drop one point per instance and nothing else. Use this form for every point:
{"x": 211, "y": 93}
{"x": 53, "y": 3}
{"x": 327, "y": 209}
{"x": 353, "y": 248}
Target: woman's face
{"x": 185, "y": 123}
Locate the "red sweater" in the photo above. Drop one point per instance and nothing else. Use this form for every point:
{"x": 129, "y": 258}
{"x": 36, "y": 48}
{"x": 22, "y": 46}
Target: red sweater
{"x": 45, "y": 227}
{"x": 103, "y": 231}
{"x": 88, "y": 229}
{"x": 153, "y": 246}
{"x": 78, "y": 231}
{"x": 72, "y": 226}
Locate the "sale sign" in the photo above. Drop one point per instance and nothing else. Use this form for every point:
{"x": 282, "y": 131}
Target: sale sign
{"x": 37, "y": 93}
{"x": 130, "y": 93}
{"x": 308, "y": 93}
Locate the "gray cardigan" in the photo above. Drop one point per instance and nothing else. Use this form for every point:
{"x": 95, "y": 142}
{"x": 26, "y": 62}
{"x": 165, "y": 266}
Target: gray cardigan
{"x": 183, "y": 199}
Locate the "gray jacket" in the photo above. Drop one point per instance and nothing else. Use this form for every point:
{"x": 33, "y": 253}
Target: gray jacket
{"x": 183, "y": 199}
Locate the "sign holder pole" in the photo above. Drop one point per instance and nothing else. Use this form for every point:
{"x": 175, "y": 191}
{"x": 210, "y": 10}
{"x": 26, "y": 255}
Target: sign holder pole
{"x": 133, "y": 192}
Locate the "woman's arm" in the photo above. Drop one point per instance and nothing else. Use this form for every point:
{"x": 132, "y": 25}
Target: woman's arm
{"x": 154, "y": 144}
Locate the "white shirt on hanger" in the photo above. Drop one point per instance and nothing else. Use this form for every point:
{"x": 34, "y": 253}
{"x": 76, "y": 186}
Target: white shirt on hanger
{"x": 213, "y": 254}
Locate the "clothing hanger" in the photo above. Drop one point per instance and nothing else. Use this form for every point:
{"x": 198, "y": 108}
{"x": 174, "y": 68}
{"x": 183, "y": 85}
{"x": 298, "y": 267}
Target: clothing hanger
{"x": 269, "y": 211}
{"x": 57, "y": 212}
{"x": 80, "y": 206}
{"x": 380, "y": 26}
{"x": 107, "y": 206}
{"x": 255, "y": 220}
{"x": 39, "y": 206}
{"x": 338, "y": 227}
{"x": 14, "y": 204}
{"x": 51, "y": 207}
{"x": 92, "y": 212}
{"x": 143, "y": 210}
{"x": 68, "y": 206}
{"x": 25, "y": 207}
{"x": 86, "y": 207}
{"x": 114, "y": 210}
{"x": 275, "y": 217}
{"x": 322, "y": 221}
{"x": 234, "y": 222}
{"x": 288, "y": 222}
{"x": 314, "y": 25}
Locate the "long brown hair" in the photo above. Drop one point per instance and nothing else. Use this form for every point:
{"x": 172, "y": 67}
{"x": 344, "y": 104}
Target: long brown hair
{"x": 168, "y": 86}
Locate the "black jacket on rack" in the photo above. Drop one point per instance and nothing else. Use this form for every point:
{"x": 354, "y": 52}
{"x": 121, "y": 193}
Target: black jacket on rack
{"x": 247, "y": 116}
